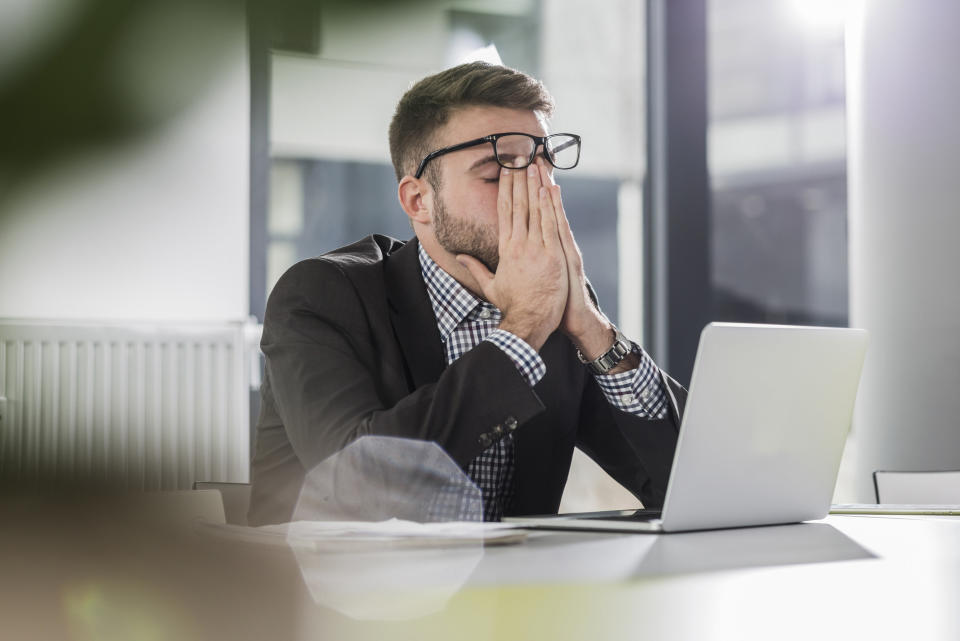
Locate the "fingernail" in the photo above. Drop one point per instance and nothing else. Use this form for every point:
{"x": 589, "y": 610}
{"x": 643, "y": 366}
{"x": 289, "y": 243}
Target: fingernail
{"x": 532, "y": 170}
{"x": 504, "y": 170}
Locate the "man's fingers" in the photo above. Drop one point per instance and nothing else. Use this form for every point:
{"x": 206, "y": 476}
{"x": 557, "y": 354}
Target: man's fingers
{"x": 521, "y": 209}
{"x": 533, "y": 197}
{"x": 505, "y": 205}
{"x": 566, "y": 234}
{"x": 548, "y": 217}
{"x": 479, "y": 271}
{"x": 574, "y": 259}
{"x": 545, "y": 178}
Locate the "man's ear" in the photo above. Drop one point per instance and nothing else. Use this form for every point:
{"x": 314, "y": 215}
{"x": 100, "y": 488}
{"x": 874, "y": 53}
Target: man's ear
{"x": 414, "y": 195}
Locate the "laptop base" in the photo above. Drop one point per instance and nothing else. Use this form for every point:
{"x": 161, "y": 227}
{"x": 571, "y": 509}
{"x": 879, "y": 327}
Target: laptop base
{"x": 606, "y": 521}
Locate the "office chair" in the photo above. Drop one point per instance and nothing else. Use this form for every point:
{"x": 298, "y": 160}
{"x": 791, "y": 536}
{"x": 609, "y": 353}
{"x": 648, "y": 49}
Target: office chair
{"x": 917, "y": 488}
{"x": 235, "y": 496}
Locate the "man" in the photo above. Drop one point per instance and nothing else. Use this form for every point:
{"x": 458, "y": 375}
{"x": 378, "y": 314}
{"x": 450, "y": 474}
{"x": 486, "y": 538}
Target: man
{"x": 480, "y": 334}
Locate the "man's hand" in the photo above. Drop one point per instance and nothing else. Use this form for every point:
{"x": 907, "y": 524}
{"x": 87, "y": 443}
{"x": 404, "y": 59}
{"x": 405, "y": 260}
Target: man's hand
{"x": 591, "y": 331}
{"x": 531, "y": 284}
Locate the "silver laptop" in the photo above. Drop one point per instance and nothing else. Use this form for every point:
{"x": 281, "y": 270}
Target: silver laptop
{"x": 762, "y": 435}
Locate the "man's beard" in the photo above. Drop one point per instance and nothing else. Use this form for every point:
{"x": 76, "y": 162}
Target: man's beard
{"x": 465, "y": 237}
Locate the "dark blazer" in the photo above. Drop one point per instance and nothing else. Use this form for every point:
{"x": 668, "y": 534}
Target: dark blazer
{"x": 352, "y": 348}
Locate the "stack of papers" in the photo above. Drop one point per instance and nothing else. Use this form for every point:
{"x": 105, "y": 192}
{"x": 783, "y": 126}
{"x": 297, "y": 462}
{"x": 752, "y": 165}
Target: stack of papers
{"x": 358, "y": 535}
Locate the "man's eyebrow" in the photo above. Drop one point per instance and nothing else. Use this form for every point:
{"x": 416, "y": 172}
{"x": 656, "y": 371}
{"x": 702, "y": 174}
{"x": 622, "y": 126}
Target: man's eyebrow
{"x": 482, "y": 161}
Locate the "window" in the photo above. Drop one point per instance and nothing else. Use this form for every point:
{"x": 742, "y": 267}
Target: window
{"x": 331, "y": 181}
{"x": 777, "y": 163}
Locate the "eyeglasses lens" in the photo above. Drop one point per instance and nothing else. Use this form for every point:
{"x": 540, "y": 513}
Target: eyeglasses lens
{"x": 564, "y": 151}
{"x": 515, "y": 152}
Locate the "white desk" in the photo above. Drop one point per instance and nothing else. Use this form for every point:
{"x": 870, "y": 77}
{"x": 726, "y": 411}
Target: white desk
{"x": 848, "y": 577}
{"x": 75, "y": 575}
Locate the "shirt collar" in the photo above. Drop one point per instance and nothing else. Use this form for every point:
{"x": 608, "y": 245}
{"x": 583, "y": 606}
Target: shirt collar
{"x": 451, "y": 301}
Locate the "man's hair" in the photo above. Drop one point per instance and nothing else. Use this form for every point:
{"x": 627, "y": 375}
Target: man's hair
{"x": 429, "y": 103}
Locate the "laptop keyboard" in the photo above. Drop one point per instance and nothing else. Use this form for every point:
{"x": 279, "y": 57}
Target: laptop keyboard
{"x": 639, "y": 515}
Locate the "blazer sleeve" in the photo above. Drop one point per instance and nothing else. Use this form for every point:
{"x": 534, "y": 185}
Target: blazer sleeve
{"x": 329, "y": 379}
{"x": 636, "y": 452}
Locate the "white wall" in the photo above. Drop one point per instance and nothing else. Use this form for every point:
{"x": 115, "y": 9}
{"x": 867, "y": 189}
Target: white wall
{"x": 154, "y": 230}
{"x": 904, "y": 191}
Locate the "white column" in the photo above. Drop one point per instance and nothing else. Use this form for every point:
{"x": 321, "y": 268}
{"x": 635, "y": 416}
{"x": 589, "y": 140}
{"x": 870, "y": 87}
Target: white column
{"x": 904, "y": 216}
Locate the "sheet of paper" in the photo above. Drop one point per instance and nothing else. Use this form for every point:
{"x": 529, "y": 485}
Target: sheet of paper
{"x": 353, "y": 534}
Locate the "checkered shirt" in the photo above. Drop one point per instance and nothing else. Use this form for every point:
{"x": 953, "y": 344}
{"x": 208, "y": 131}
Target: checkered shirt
{"x": 464, "y": 321}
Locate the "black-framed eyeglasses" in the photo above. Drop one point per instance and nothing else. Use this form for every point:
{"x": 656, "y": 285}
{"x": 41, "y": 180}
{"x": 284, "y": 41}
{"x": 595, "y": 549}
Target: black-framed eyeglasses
{"x": 514, "y": 150}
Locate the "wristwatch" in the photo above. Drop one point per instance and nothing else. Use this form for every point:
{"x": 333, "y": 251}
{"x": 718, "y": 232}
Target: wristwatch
{"x": 610, "y": 358}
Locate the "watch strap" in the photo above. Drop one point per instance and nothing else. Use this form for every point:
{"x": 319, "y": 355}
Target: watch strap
{"x": 611, "y": 358}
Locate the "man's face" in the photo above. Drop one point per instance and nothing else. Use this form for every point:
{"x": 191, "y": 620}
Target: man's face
{"x": 465, "y": 217}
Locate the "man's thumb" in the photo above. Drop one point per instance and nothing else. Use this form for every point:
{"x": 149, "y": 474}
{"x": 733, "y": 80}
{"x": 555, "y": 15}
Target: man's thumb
{"x": 477, "y": 269}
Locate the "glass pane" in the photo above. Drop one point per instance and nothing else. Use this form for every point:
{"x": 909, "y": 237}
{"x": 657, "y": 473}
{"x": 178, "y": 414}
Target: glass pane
{"x": 777, "y": 162}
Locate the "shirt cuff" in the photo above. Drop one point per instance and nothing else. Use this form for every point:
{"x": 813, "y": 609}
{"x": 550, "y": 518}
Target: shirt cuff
{"x": 527, "y": 360}
{"x": 639, "y": 392}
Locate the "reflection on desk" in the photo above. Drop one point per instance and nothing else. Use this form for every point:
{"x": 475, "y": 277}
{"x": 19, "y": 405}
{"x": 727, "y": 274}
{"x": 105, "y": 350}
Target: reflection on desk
{"x": 616, "y": 557}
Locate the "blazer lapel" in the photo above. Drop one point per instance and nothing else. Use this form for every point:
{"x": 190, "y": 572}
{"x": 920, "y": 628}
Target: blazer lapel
{"x": 412, "y": 316}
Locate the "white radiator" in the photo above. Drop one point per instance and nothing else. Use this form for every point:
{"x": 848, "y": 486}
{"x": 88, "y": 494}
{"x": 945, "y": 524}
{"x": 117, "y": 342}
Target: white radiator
{"x": 152, "y": 407}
